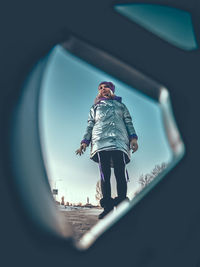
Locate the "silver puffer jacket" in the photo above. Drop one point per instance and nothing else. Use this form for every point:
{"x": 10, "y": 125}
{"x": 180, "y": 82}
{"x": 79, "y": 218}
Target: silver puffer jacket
{"x": 109, "y": 127}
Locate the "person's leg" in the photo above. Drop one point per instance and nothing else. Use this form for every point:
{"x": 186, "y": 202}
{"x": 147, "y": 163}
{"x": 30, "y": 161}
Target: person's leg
{"x": 119, "y": 171}
{"x": 105, "y": 180}
{"x": 106, "y": 202}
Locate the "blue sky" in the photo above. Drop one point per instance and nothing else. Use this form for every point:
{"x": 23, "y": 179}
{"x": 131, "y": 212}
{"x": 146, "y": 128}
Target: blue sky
{"x": 68, "y": 92}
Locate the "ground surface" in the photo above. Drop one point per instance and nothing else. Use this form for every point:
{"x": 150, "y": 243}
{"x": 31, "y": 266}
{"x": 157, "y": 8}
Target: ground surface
{"x": 81, "y": 219}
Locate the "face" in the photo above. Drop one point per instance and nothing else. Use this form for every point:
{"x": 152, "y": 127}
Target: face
{"x": 104, "y": 90}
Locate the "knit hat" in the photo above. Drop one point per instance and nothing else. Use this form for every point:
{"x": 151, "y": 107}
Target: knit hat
{"x": 110, "y": 85}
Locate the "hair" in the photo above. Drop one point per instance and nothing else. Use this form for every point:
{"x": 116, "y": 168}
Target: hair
{"x": 111, "y": 92}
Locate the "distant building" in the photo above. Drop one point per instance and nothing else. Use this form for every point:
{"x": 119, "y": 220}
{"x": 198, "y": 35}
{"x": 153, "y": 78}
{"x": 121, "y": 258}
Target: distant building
{"x": 62, "y": 200}
{"x": 88, "y": 201}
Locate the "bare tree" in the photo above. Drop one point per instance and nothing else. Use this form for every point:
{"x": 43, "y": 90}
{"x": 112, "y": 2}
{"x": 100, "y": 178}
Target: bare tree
{"x": 98, "y": 195}
{"x": 144, "y": 180}
{"x": 158, "y": 169}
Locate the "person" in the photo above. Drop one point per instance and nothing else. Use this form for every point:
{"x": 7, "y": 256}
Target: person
{"x": 112, "y": 135}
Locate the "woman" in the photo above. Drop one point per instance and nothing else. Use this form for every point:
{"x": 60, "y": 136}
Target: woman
{"x": 111, "y": 133}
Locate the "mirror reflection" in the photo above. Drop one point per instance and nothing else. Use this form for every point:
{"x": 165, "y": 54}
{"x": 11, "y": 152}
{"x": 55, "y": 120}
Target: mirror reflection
{"x": 102, "y": 140}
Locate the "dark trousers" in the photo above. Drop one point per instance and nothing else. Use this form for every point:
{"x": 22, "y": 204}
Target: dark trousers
{"x": 119, "y": 171}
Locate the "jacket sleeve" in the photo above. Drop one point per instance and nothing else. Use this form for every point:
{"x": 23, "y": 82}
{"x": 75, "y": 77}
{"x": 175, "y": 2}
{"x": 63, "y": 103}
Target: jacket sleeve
{"x": 129, "y": 124}
{"x": 90, "y": 123}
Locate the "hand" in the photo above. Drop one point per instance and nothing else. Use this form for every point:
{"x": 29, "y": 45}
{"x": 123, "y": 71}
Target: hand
{"x": 134, "y": 145}
{"x": 81, "y": 149}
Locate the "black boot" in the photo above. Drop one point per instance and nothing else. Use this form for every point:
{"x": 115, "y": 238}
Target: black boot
{"x": 108, "y": 205}
{"x": 118, "y": 200}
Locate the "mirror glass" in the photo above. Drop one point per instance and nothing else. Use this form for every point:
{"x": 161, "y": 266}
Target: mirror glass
{"x": 69, "y": 88}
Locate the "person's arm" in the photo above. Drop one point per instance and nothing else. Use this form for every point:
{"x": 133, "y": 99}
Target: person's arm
{"x": 130, "y": 129}
{"x": 88, "y": 134}
{"x": 129, "y": 124}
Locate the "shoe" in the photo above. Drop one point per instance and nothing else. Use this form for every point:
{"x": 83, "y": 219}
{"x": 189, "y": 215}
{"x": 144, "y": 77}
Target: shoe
{"x": 108, "y": 205}
{"x": 118, "y": 200}
{"x": 104, "y": 213}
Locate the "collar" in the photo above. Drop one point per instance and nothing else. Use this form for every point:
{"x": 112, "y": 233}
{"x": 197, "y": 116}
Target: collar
{"x": 118, "y": 98}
